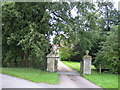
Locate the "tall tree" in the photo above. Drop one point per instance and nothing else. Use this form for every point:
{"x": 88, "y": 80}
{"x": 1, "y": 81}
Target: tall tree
{"x": 108, "y": 55}
{"x": 76, "y": 29}
{"x": 25, "y": 31}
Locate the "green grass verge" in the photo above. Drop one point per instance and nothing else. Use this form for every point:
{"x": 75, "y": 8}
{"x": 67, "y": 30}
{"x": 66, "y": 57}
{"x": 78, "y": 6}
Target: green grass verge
{"x": 104, "y": 80}
{"x": 74, "y": 65}
{"x": 33, "y": 75}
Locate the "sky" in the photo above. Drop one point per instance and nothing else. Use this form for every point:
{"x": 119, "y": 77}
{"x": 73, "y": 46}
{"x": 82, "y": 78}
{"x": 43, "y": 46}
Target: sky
{"x": 116, "y": 4}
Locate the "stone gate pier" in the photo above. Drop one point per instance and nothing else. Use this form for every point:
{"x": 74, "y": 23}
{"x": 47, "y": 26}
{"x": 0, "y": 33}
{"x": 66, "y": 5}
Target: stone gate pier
{"x": 52, "y": 60}
{"x": 87, "y": 63}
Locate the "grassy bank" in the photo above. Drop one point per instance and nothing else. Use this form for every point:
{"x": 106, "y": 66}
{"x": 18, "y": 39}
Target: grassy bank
{"x": 33, "y": 75}
{"x": 104, "y": 80}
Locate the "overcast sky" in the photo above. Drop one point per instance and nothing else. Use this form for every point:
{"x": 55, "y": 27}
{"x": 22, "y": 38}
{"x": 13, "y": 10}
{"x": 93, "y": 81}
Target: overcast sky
{"x": 116, "y": 3}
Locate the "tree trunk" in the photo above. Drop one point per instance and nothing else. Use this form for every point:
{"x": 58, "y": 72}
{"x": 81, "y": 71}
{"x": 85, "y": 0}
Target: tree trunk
{"x": 81, "y": 67}
{"x": 100, "y": 68}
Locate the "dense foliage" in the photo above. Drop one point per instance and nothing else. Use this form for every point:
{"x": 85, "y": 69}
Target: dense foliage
{"x": 25, "y": 29}
{"x": 108, "y": 55}
{"x": 65, "y": 53}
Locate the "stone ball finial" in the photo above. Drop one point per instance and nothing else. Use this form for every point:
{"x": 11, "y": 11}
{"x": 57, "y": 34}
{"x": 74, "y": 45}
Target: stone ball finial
{"x": 87, "y": 52}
